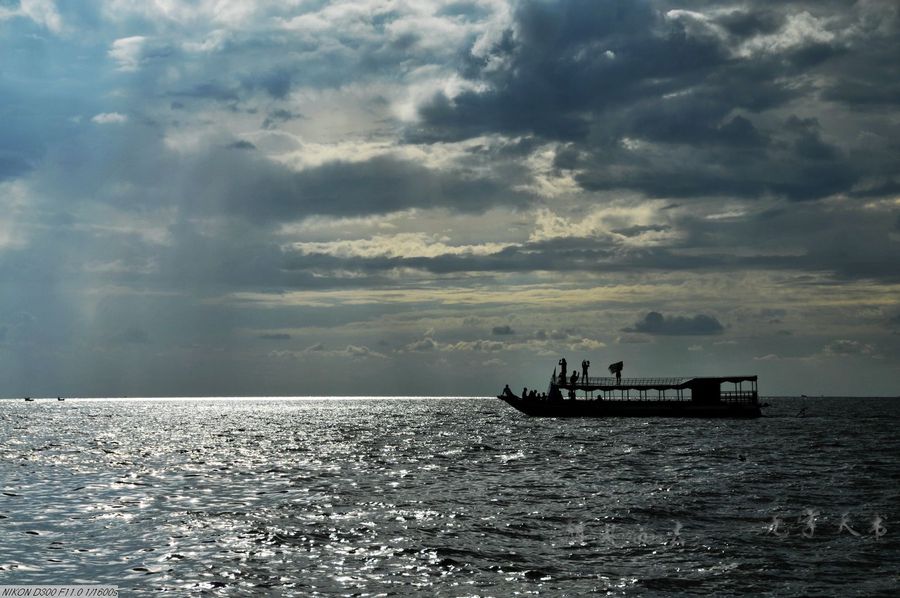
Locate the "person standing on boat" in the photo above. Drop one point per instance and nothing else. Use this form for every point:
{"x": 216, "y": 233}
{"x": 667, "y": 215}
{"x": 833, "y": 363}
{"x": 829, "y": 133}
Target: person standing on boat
{"x": 524, "y": 392}
{"x": 585, "y": 364}
{"x": 562, "y": 370}
{"x": 616, "y": 369}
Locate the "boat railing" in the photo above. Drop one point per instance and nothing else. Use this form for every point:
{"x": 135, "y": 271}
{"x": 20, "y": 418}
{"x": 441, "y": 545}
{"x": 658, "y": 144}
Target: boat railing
{"x": 738, "y": 396}
{"x": 611, "y": 381}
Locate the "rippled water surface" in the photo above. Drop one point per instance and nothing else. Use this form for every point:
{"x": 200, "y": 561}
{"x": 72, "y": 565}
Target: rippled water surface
{"x": 454, "y": 497}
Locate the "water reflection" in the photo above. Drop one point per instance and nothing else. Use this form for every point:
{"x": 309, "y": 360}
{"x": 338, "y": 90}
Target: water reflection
{"x": 406, "y": 496}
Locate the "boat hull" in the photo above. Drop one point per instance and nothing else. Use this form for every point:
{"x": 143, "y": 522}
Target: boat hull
{"x": 613, "y": 408}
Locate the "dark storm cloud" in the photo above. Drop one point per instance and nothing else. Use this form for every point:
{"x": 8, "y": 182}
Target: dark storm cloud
{"x": 130, "y": 336}
{"x": 595, "y": 73}
{"x": 748, "y": 24}
{"x": 226, "y": 178}
{"x": 559, "y": 75}
{"x": 242, "y": 144}
{"x": 560, "y": 256}
{"x": 633, "y": 231}
{"x": 785, "y": 237}
{"x": 32, "y": 115}
{"x": 657, "y": 324}
{"x": 846, "y": 348}
{"x": 893, "y": 322}
{"x": 209, "y": 91}
{"x": 868, "y": 77}
{"x": 260, "y": 190}
{"x": 12, "y": 165}
{"x": 533, "y": 257}
{"x": 799, "y": 165}
{"x": 275, "y": 336}
{"x": 861, "y": 93}
{"x": 861, "y": 247}
{"x": 278, "y": 116}
{"x": 277, "y": 83}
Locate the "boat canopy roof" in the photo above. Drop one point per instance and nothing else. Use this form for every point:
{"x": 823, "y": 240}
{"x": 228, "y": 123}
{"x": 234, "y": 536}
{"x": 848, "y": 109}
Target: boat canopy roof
{"x": 733, "y": 379}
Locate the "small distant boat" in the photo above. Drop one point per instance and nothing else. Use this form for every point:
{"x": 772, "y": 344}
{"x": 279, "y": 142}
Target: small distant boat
{"x": 60, "y": 399}
{"x": 29, "y": 399}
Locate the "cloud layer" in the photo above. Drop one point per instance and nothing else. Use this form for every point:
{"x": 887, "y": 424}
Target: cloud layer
{"x": 196, "y": 195}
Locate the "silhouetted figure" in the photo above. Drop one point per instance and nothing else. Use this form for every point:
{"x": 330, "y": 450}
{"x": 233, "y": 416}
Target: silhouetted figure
{"x": 573, "y": 378}
{"x": 616, "y": 369}
{"x": 585, "y": 364}
{"x": 524, "y": 392}
{"x": 562, "y": 370}
{"x": 506, "y": 391}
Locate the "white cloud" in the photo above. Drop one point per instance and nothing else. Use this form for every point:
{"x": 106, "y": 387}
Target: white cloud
{"x": 402, "y": 245}
{"x": 586, "y": 344}
{"x": 478, "y": 346}
{"x": 425, "y": 344}
{"x": 801, "y": 29}
{"x": 229, "y": 12}
{"x": 696, "y": 24}
{"x": 14, "y": 196}
{"x": 606, "y": 220}
{"x": 844, "y": 348}
{"x": 767, "y": 357}
{"x": 424, "y": 83}
{"x": 321, "y": 351}
{"x": 546, "y": 180}
{"x": 109, "y": 118}
{"x": 42, "y": 12}
{"x": 127, "y": 52}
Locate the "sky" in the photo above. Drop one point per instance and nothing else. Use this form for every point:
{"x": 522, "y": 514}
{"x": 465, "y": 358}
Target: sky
{"x": 439, "y": 197}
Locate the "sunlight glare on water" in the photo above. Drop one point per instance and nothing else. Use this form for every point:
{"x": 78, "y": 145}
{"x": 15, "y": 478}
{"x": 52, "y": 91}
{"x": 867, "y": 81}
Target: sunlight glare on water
{"x": 316, "y": 496}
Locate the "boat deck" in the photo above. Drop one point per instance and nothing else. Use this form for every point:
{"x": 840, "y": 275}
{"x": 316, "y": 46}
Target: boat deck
{"x": 610, "y": 383}
{"x": 663, "y": 389}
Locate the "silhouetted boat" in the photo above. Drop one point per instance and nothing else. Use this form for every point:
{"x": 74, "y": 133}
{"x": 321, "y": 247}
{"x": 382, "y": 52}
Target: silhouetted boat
{"x": 644, "y": 397}
{"x": 29, "y": 399}
{"x": 60, "y": 399}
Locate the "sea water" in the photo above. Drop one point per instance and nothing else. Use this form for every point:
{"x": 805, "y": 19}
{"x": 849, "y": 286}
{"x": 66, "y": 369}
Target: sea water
{"x": 452, "y": 497}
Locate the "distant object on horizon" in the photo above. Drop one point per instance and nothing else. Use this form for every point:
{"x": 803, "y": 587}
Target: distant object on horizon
{"x": 29, "y": 399}
{"x": 60, "y": 399}
{"x": 641, "y": 397}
